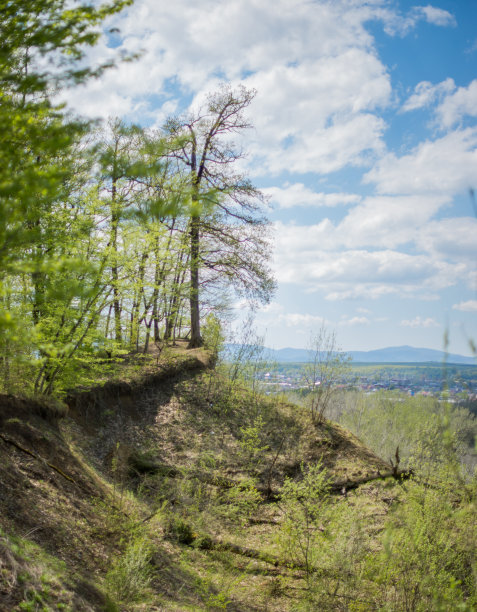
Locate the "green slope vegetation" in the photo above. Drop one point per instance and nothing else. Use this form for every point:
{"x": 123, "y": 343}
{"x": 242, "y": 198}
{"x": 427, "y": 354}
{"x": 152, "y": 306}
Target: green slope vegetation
{"x": 179, "y": 489}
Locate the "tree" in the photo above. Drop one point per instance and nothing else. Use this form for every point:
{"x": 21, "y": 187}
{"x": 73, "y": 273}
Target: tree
{"x": 38, "y": 159}
{"x": 326, "y": 366}
{"x": 208, "y": 155}
{"x": 36, "y": 135}
{"x": 121, "y": 164}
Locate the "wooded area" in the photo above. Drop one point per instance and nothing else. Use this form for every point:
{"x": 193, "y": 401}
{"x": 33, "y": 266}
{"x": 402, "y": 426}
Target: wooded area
{"x": 115, "y": 236}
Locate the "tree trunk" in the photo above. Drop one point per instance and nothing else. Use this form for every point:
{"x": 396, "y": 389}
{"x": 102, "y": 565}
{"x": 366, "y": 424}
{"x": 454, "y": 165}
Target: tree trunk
{"x": 195, "y": 337}
{"x": 114, "y": 265}
{"x": 134, "y": 334}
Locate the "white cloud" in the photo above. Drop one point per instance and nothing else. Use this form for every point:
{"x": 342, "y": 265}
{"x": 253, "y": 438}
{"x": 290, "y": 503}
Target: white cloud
{"x": 366, "y": 291}
{"x": 317, "y": 116}
{"x": 453, "y": 104}
{"x": 420, "y": 322}
{"x": 472, "y": 47}
{"x": 299, "y": 195}
{"x": 436, "y": 16}
{"x": 381, "y": 222}
{"x": 469, "y": 306}
{"x": 354, "y": 322}
{"x": 425, "y": 93}
{"x": 272, "y": 308}
{"x": 319, "y": 79}
{"x": 301, "y": 320}
{"x": 300, "y": 259}
{"x": 445, "y": 166}
{"x": 461, "y": 103}
{"x": 452, "y": 239}
{"x": 388, "y": 221}
{"x": 311, "y": 256}
{"x": 396, "y": 23}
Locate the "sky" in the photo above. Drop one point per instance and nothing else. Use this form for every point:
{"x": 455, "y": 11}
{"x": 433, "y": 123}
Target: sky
{"x": 364, "y": 139}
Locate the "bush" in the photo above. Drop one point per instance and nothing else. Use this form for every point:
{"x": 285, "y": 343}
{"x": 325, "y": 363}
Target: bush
{"x": 303, "y": 503}
{"x": 178, "y": 529}
{"x": 428, "y": 554}
{"x": 239, "y": 503}
{"x": 131, "y": 574}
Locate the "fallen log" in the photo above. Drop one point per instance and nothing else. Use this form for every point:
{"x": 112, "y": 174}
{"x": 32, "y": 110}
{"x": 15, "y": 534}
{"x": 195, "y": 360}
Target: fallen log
{"x": 268, "y": 494}
{"x": 341, "y": 486}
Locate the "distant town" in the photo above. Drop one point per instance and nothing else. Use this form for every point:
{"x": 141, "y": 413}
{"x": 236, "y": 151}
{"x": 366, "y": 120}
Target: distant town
{"x": 454, "y": 382}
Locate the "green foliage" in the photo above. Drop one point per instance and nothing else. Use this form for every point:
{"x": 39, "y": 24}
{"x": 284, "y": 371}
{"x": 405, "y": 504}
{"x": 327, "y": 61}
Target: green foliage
{"x": 215, "y": 599}
{"x": 32, "y": 577}
{"x": 428, "y": 557}
{"x": 130, "y": 576}
{"x": 96, "y": 246}
{"x": 239, "y": 503}
{"x": 304, "y": 503}
{"x": 252, "y": 446}
{"x": 40, "y": 172}
{"x": 203, "y": 542}
{"x": 212, "y": 335}
{"x": 36, "y": 137}
{"x": 428, "y": 433}
{"x": 179, "y": 529}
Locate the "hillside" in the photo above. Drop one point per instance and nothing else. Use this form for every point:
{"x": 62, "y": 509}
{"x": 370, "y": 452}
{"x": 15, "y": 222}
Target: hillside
{"x": 158, "y": 471}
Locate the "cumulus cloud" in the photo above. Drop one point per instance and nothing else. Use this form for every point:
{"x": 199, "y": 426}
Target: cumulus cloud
{"x": 402, "y": 24}
{"x": 300, "y": 259}
{"x": 301, "y": 320}
{"x": 425, "y": 93}
{"x": 388, "y": 221}
{"x": 453, "y": 104}
{"x": 366, "y": 291}
{"x": 420, "y": 322}
{"x": 314, "y": 65}
{"x": 469, "y": 306}
{"x": 461, "y": 103}
{"x": 384, "y": 222}
{"x": 317, "y": 258}
{"x": 297, "y": 194}
{"x": 444, "y": 166}
{"x": 317, "y": 116}
{"x": 453, "y": 239}
{"x": 436, "y": 16}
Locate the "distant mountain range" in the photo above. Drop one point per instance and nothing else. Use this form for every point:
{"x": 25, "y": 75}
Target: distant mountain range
{"x": 395, "y": 354}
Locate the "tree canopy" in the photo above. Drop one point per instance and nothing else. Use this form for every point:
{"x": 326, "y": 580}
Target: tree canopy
{"x": 115, "y": 236}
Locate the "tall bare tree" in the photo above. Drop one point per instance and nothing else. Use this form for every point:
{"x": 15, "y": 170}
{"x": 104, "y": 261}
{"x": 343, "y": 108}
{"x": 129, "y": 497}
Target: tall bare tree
{"x": 208, "y": 154}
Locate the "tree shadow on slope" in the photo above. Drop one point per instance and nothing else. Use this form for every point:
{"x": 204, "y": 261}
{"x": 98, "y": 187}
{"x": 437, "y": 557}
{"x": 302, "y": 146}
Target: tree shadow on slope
{"x": 62, "y": 527}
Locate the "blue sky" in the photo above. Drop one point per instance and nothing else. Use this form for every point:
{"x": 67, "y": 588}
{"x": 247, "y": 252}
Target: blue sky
{"x": 365, "y": 140}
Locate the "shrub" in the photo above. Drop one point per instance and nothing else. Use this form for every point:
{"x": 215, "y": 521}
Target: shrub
{"x": 178, "y": 529}
{"x": 131, "y": 574}
{"x": 303, "y": 503}
{"x": 428, "y": 553}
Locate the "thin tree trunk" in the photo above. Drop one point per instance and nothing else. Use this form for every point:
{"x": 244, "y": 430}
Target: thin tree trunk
{"x": 108, "y": 319}
{"x": 134, "y": 334}
{"x": 195, "y": 339}
{"x": 114, "y": 263}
